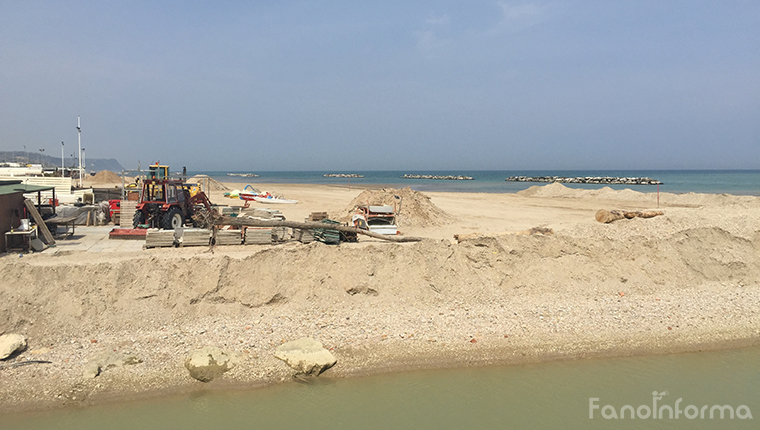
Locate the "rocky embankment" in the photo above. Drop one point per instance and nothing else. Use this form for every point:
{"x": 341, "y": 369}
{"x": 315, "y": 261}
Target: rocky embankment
{"x": 602, "y": 180}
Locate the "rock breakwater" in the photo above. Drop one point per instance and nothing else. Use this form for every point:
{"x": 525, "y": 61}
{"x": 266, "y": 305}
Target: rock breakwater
{"x": 605, "y": 180}
{"x": 342, "y": 175}
{"x": 439, "y": 177}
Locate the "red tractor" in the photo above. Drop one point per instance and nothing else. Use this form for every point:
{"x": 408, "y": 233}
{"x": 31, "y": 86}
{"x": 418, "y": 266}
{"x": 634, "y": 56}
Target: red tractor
{"x": 167, "y": 203}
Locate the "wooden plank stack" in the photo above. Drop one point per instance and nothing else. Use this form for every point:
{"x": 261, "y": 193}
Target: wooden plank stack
{"x": 229, "y": 237}
{"x": 127, "y": 210}
{"x": 155, "y": 238}
{"x": 316, "y": 216}
{"x": 258, "y": 235}
{"x": 194, "y": 237}
{"x": 303, "y": 235}
{"x": 280, "y": 234}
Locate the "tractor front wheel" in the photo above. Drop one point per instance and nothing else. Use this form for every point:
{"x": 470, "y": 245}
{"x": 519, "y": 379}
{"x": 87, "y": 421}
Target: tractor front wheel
{"x": 137, "y": 219}
{"x": 172, "y": 219}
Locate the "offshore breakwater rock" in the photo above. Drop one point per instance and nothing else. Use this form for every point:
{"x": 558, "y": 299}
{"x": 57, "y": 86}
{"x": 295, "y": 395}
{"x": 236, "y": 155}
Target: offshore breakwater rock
{"x": 603, "y": 180}
{"x": 210, "y": 362}
{"x": 342, "y": 175}
{"x": 439, "y": 177}
{"x": 10, "y": 343}
{"x": 306, "y": 356}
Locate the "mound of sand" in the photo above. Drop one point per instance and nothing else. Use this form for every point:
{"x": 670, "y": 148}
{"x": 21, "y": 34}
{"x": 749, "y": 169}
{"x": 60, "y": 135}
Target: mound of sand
{"x": 557, "y": 190}
{"x": 416, "y": 208}
{"x": 213, "y": 184}
{"x": 105, "y": 177}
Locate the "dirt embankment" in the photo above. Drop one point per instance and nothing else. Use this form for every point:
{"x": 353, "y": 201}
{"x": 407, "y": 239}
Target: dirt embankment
{"x": 682, "y": 281}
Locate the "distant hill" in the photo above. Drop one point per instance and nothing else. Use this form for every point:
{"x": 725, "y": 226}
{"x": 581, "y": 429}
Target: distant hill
{"x": 93, "y": 164}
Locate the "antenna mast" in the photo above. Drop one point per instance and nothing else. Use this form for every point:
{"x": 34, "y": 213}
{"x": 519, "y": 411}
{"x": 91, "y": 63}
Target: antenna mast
{"x": 79, "y": 155}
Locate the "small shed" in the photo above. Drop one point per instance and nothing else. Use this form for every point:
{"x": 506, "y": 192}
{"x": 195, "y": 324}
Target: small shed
{"x": 12, "y": 204}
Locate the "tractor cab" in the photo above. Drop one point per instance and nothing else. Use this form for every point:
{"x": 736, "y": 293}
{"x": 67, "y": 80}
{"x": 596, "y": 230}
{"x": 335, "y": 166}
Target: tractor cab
{"x": 158, "y": 172}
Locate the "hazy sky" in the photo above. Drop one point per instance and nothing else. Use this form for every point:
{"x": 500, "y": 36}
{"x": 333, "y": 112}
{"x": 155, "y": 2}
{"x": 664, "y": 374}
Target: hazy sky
{"x": 358, "y": 85}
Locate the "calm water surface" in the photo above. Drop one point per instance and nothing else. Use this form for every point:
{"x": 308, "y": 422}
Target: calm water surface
{"x": 548, "y": 395}
{"x": 739, "y": 182}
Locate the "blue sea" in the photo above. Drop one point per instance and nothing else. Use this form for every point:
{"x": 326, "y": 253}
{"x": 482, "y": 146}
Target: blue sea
{"x": 738, "y": 182}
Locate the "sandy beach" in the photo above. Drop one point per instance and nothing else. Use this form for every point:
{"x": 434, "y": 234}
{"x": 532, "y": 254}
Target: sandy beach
{"x": 683, "y": 281}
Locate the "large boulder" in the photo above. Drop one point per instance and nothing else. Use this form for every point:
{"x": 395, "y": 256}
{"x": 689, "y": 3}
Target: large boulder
{"x": 10, "y": 343}
{"x": 210, "y": 362}
{"x": 97, "y": 364}
{"x": 306, "y": 356}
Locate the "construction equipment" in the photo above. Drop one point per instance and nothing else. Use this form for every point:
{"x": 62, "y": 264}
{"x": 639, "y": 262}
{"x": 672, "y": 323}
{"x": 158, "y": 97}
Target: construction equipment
{"x": 168, "y": 204}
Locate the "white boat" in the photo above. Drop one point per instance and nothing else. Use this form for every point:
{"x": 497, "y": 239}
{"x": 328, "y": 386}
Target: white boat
{"x": 272, "y": 199}
{"x": 252, "y": 194}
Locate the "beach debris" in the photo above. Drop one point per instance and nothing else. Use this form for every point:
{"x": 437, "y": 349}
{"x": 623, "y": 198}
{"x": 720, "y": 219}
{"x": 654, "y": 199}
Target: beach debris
{"x": 546, "y": 231}
{"x": 106, "y": 360}
{"x": 606, "y": 217}
{"x": 306, "y": 356}
{"x": 210, "y": 362}
{"x": 461, "y": 237}
{"x": 10, "y": 343}
{"x": 24, "y": 363}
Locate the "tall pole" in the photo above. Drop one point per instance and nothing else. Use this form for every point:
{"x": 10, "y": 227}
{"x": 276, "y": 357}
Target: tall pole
{"x": 79, "y": 136}
{"x": 63, "y": 168}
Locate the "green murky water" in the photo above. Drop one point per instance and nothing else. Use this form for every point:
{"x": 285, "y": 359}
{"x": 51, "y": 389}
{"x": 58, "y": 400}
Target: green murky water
{"x": 548, "y": 395}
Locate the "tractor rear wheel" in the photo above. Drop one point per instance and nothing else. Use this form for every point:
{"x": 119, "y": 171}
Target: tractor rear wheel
{"x": 138, "y": 219}
{"x": 172, "y": 219}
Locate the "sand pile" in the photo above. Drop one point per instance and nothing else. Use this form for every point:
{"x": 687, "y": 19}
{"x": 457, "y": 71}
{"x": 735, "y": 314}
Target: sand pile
{"x": 105, "y": 177}
{"x": 213, "y": 184}
{"x": 647, "y": 196}
{"x": 416, "y": 208}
